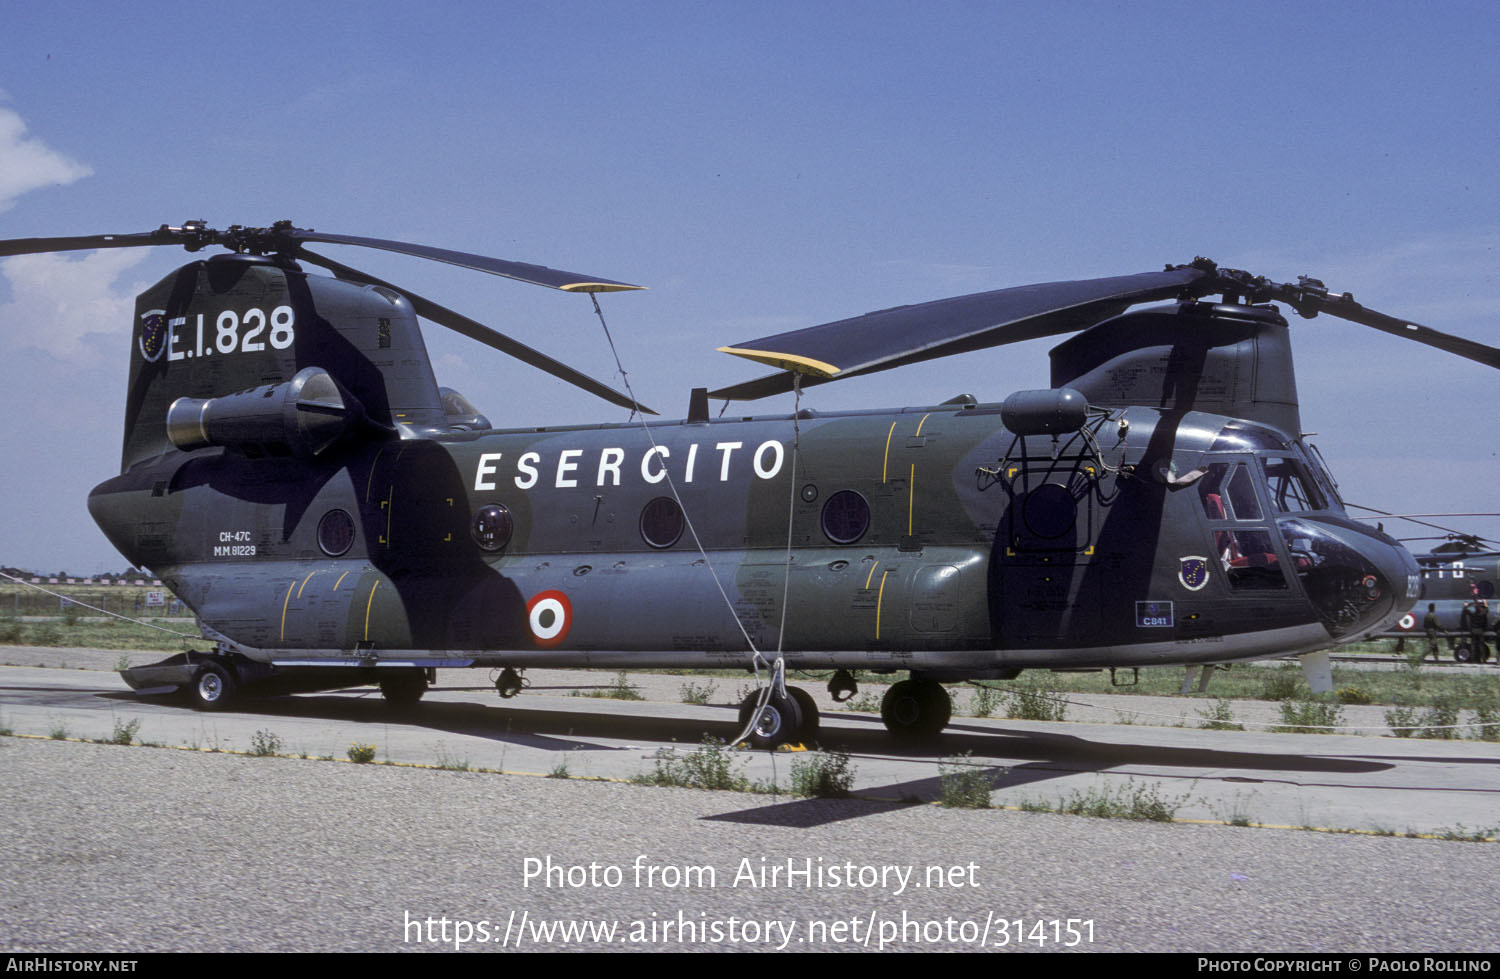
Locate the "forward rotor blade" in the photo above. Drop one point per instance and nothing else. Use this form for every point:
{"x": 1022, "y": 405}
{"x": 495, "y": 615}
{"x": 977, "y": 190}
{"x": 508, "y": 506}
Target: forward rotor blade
{"x": 520, "y": 271}
{"x": 1344, "y": 307}
{"x": 908, "y": 334}
{"x": 474, "y": 330}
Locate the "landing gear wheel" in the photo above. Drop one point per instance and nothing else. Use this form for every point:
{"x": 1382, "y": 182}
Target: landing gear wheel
{"x": 403, "y": 688}
{"x": 916, "y": 708}
{"x": 780, "y": 722}
{"x": 810, "y": 716}
{"x": 213, "y": 687}
{"x": 1462, "y": 653}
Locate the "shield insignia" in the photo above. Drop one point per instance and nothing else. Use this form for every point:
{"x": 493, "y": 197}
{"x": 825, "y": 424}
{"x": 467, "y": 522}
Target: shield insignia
{"x": 1192, "y": 571}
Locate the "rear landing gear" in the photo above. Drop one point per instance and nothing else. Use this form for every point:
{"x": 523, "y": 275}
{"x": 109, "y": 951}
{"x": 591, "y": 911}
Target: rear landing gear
{"x": 786, "y": 719}
{"x": 213, "y": 687}
{"x": 916, "y": 708}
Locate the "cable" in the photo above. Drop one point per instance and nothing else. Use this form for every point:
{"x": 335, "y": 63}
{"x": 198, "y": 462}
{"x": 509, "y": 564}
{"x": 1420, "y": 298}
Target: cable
{"x": 141, "y": 622}
{"x": 778, "y": 668}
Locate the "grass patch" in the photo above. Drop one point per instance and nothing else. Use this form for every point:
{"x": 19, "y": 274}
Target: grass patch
{"x": 1144, "y": 803}
{"x": 1487, "y": 721}
{"x": 621, "y": 689}
{"x": 963, "y": 784}
{"x": 711, "y": 766}
{"x": 823, "y": 775}
{"x": 1402, "y": 721}
{"x": 124, "y": 733}
{"x": 986, "y": 701}
{"x": 361, "y": 754}
{"x": 1030, "y": 700}
{"x": 697, "y": 693}
{"x": 1351, "y": 695}
{"x": 59, "y": 731}
{"x": 450, "y": 763}
{"x": 865, "y": 703}
{"x": 560, "y": 770}
{"x": 264, "y": 744}
{"x": 1220, "y": 717}
{"x": 1309, "y": 717}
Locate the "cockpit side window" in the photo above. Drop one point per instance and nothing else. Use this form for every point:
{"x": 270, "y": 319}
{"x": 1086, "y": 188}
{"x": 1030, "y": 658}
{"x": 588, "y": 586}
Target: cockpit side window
{"x": 1211, "y": 491}
{"x": 1242, "y": 495}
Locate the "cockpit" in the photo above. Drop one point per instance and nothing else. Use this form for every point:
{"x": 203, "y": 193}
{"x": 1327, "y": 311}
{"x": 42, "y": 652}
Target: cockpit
{"x": 1276, "y": 523}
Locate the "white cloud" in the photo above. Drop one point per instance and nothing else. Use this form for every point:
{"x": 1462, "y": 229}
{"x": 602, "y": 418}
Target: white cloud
{"x": 59, "y": 301}
{"x": 26, "y": 164}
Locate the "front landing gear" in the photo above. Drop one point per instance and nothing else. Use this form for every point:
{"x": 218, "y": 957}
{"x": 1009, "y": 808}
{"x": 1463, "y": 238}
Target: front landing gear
{"x": 916, "y": 708}
{"x": 786, "y": 719}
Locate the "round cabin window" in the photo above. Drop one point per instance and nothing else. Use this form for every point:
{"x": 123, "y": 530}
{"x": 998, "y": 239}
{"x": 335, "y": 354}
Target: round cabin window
{"x": 846, "y": 517}
{"x": 662, "y": 522}
{"x": 336, "y": 533}
{"x": 492, "y": 527}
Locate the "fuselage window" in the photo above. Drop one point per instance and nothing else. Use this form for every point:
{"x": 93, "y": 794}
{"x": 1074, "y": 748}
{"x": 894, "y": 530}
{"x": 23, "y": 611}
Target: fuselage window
{"x": 661, "y": 522}
{"x": 1249, "y": 559}
{"x": 492, "y": 527}
{"x": 335, "y": 533}
{"x": 846, "y": 517}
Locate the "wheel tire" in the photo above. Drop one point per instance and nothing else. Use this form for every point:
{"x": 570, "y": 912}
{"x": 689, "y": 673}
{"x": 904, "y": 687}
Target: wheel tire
{"x": 916, "y": 708}
{"x": 779, "y": 723}
{"x": 404, "y": 687}
{"x": 213, "y": 687}
{"x": 1462, "y": 653}
{"x": 811, "y": 718}
{"x": 939, "y": 704}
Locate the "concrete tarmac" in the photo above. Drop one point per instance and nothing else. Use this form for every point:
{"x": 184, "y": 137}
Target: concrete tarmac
{"x": 125, "y": 849}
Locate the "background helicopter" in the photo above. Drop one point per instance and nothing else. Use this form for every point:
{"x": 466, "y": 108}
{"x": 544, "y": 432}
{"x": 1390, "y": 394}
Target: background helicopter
{"x": 1454, "y": 575}
{"x": 292, "y": 470}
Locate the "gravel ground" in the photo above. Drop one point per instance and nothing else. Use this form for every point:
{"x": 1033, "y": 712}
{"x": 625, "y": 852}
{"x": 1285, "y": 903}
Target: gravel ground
{"x": 130, "y": 849}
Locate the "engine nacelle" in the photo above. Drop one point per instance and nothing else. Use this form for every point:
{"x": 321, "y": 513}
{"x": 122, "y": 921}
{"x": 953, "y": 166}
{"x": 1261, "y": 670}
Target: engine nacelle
{"x": 300, "y": 417}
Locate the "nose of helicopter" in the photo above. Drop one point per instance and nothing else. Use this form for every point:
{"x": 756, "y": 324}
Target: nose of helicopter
{"x": 1358, "y": 579}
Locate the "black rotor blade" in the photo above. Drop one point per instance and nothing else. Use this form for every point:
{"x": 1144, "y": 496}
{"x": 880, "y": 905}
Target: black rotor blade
{"x": 908, "y": 334}
{"x": 520, "y": 271}
{"x": 474, "y": 330}
{"x": 1344, "y": 307}
{"x": 33, "y": 246}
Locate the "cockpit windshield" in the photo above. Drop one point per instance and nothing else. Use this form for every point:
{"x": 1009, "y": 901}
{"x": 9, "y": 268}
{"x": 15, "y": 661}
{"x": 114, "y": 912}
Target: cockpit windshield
{"x": 1291, "y": 489}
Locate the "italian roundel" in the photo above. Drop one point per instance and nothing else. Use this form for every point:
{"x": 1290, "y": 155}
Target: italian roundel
{"x": 549, "y": 615}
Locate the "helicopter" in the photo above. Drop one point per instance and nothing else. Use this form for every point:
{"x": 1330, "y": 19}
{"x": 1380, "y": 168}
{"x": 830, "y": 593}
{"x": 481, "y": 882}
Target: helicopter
{"x": 1456, "y": 573}
{"x": 293, "y": 471}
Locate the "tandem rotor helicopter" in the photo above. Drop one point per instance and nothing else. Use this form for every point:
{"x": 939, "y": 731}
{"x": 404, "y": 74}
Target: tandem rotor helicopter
{"x": 293, "y": 471}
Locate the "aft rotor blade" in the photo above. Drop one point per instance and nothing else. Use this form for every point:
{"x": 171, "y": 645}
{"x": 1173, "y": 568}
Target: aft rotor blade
{"x": 520, "y": 271}
{"x": 474, "y": 330}
{"x": 34, "y": 246}
{"x": 908, "y": 334}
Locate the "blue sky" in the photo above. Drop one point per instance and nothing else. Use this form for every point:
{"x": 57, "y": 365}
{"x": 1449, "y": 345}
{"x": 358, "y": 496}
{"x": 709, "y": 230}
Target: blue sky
{"x": 763, "y": 167}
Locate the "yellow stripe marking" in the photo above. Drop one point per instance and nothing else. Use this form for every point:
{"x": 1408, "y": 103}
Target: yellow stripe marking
{"x": 370, "y": 483}
{"x": 886, "y": 465}
{"x": 789, "y": 362}
{"x": 921, "y": 423}
{"x": 340, "y": 581}
{"x": 304, "y": 584}
{"x": 369, "y": 602}
{"x": 284, "y": 602}
{"x": 879, "y": 598}
{"x": 871, "y": 575}
{"x": 911, "y": 495}
{"x": 598, "y": 287}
